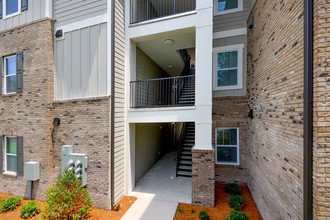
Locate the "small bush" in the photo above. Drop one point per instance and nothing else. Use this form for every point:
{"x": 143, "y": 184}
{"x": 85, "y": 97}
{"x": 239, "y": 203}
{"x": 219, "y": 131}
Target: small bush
{"x": 30, "y": 209}
{"x": 204, "y": 215}
{"x": 9, "y": 204}
{"x": 180, "y": 211}
{"x": 236, "y": 202}
{"x": 233, "y": 188}
{"x": 67, "y": 199}
{"x": 236, "y": 215}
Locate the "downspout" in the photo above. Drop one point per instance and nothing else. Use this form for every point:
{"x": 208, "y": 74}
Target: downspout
{"x": 112, "y": 106}
{"x": 308, "y": 110}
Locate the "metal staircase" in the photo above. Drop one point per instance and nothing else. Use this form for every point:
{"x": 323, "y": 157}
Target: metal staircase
{"x": 187, "y": 96}
{"x": 184, "y": 160}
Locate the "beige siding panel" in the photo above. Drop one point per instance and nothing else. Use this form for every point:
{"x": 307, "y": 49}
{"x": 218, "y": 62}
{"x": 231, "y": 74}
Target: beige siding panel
{"x": 68, "y": 11}
{"x": 232, "y": 20}
{"x": 147, "y": 146}
{"x": 84, "y": 68}
{"x": 36, "y": 10}
{"x": 119, "y": 101}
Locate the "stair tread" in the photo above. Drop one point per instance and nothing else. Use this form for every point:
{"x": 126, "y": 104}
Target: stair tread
{"x": 184, "y": 157}
{"x": 185, "y": 162}
{"x": 184, "y": 173}
{"x": 185, "y": 167}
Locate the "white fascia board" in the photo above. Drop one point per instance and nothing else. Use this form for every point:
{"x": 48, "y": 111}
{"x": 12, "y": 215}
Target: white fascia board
{"x": 184, "y": 22}
{"x": 83, "y": 23}
{"x": 230, "y": 33}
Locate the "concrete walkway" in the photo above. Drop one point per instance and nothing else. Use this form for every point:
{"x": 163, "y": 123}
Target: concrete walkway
{"x": 159, "y": 192}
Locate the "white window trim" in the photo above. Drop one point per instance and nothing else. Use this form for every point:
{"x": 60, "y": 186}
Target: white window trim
{"x": 5, "y": 155}
{"x": 239, "y": 48}
{"x": 239, "y": 8}
{"x": 4, "y": 7}
{"x": 216, "y": 148}
{"x": 5, "y": 72}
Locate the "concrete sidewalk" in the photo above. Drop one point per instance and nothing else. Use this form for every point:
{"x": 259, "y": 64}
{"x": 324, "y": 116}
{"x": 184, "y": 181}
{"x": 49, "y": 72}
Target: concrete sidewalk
{"x": 151, "y": 209}
{"x": 159, "y": 192}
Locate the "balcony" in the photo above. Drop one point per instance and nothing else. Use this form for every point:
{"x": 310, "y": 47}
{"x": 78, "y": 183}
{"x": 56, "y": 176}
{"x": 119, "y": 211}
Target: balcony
{"x": 144, "y": 10}
{"x": 163, "y": 92}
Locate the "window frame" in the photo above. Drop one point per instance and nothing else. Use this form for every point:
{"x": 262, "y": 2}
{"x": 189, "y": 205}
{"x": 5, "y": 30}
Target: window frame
{"x": 239, "y": 48}
{"x": 5, "y": 74}
{"x": 4, "y": 7}
{"x": 5, "y": 156}
{"x": 238, "y": 9}
{"x": 218, "y": 145}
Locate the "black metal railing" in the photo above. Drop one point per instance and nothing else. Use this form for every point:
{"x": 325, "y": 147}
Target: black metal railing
{"x": 143, "y": 10}
{"x": 163, "y": 92}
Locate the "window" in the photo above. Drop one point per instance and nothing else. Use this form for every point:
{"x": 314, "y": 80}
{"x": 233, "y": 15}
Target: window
{"x": 11, "y": 7}
{"x": 10, "y": 83}
{"x": 228, "y": 72}
{"x": 10, "y": 154}
{"x": 227, "y": 146}
{"x": 227, "y": 6}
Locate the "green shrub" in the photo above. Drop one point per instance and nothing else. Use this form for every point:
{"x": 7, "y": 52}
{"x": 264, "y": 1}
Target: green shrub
{"x": 9, "y": 203}
{"x": 236, "y": 202}
{"x": 204, "y": 215}
{"x": 67, "y": 199}
{"x": 233, "y": 188}
{"x": 236, "y": 215}
{"x": 30, "y": 209}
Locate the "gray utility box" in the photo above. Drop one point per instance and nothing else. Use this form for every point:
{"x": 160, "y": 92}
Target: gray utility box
{"x": 32, "y": 171}
{"x": 75, "y": 162}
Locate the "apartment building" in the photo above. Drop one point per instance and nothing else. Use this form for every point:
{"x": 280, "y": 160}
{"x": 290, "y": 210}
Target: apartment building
{"x": 217, "y": 84}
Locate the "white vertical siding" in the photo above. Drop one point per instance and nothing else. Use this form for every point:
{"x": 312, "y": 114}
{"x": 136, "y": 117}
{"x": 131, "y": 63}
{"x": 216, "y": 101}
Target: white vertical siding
{"x": 81, "y": 68}
{"x": 36, "y": 10}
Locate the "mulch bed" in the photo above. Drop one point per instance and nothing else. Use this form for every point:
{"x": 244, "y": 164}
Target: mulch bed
{"x": 96, "y": 214}
{"x": 221, "y": 209}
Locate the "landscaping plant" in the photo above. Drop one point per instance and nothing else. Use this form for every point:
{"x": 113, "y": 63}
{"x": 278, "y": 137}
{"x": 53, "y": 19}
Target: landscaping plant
{"x": 236, "y": 215}
{"x": 204, "y": 215}
{"x": 30, "y": 209}
{"x": 236, "y": 202}
{"x": 67, "y": 199}
{"x": 233, "y": 188}
{"x": 9, "y": 204}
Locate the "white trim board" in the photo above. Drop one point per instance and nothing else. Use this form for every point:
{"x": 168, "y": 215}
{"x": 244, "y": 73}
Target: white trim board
{"x": 230, "y": 33}
{"x": 83, "y": 23}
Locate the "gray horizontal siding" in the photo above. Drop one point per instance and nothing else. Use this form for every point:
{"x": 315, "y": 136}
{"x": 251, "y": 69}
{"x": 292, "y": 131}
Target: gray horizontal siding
{"x": 227, "y": 42}
{"x": 119, "y": 98}
{"x": 36, "y": 10}
{"x": 68, "y": 11}
{"x": 81, "y": 68}
{"x": 234, "y": 20}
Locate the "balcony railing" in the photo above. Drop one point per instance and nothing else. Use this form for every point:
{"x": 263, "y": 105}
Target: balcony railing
{"x": 143, "y": 10}
{"x": 163, "y": 92}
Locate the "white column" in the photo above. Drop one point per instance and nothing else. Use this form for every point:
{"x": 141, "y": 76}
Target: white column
{"x": 204, "y": 47}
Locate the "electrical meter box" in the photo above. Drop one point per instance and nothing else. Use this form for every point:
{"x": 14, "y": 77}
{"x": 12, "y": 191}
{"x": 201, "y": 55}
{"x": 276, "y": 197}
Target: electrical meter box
{"x": 75, "y": 162}
{"x": 31, "y": 170}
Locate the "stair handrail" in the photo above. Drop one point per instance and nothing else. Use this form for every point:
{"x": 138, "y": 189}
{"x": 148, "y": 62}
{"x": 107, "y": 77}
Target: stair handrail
{"x": 180, "y": 145}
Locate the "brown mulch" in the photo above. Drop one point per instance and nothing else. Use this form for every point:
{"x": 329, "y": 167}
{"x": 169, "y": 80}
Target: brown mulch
{"x": 96, "y": 214}
{"x": 221, "y": 209}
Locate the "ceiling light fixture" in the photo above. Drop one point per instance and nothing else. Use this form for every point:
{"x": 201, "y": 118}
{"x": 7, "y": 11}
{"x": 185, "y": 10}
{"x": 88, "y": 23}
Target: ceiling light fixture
{"x": 170, "y": 66}
{"x": 168, "y": 42}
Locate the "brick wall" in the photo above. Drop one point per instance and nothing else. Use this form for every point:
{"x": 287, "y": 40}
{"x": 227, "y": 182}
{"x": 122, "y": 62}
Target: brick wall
{"x": 321, "y": 180}
{"x": 231, "y": 112}
{"x": 85, "y": 124}
{"x": 28, "y": 114}
{"x": 275, "y": 93}
{"x": 203, "y": 191}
